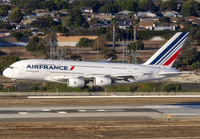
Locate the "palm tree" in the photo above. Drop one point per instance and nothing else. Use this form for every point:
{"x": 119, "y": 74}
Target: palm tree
{"x": 135, "y": 26}
{"x": 114, "y": 23}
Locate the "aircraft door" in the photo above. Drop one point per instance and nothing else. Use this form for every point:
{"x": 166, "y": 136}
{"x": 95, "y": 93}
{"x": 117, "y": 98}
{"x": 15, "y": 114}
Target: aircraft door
{"x": 108, "y": 68}
{"x": 47, "y": 72}
{"x": 130, "y": 69}
{"x": 21, "y": 70}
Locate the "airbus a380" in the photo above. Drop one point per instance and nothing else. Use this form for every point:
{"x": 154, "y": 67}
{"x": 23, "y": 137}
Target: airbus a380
{"x": 81, "y": 73}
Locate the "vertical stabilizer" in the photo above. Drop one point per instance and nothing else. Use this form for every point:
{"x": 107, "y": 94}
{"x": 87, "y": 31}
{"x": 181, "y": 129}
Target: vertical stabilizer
{"x": 167, "y": 54}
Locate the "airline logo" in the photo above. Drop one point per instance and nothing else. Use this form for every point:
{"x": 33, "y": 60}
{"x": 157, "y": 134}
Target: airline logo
{"x": 170, "y": 52}
{"x": 48, "y": 67}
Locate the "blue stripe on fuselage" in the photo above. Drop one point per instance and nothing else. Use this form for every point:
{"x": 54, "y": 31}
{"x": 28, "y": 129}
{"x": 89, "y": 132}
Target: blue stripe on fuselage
{"x": 172, "y": 50}
{"x": 168, "y": 48}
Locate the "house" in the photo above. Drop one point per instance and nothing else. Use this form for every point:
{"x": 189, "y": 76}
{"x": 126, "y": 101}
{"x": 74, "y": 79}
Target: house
{"x": 6, "y": 1}
{"x": 124, "y": 24}
{"x": 145, "y": 14}
{"x": 171, "y": 14}
{"x": 147, "y": 25}
{"x": 85, "y": 10}
{"x": 71, "y": 40}
{"x": 164, "y": 28}
{"x": 71, "y": 1}
{"x": 103, "y": 16}
{"x": 191, "y": 18}
{"x": 4, "y": 33}
{"x": 125, "y": 12}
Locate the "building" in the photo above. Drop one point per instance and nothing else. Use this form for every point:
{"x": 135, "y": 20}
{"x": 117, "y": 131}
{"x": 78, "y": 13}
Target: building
{"x": 71, "y": 40}
{"x": 11, "y": 41}
{"x": 147, "y": 25}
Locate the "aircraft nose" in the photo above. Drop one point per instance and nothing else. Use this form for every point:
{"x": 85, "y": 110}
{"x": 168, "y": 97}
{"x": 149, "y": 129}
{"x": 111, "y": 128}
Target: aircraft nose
{"x": 6, "y": 73}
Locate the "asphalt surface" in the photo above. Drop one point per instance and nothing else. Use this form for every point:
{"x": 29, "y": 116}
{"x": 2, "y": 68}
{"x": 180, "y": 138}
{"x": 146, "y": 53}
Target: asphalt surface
{"x": 187, "y": 111}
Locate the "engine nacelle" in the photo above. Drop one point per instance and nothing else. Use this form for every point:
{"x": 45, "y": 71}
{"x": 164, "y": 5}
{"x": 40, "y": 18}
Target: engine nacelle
{"x": 76, "y": 82}
{"x": 102, "y": 81}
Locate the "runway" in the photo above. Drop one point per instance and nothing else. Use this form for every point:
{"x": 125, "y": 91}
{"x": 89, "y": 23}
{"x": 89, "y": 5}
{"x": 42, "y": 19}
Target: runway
{"x": 99, "y": 113}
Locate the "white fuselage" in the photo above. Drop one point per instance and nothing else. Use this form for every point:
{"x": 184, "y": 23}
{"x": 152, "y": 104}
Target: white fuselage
{"x": 61, "y": 70}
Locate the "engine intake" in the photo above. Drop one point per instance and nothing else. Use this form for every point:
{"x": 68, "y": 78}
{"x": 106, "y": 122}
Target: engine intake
{"x": 102, "y": 81}
{"x": 76, "y": 82}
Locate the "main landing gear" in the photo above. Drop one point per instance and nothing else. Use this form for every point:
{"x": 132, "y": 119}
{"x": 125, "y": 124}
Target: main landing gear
{"x": 93, "y": 89}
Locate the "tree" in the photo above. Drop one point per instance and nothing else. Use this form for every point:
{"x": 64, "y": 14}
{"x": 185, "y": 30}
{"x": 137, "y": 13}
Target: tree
{"x": 1, "y": 86}
{"x": 196, "y": 65}
{"x": 26, "y": 33}
{"x": 145, "y": 5}
{"x": 5, "y": 7}
{"x": 136, "y": 45}
{"x": 108, "y": 8}
{"x": 68, "y": 54}
{"x": 114, "y": 23}
{"x": 37, "y": 45}
{"x": 74, "y": 19}
{"x": 62, "y": 5}
{"x": 25, "y": 4}
{"x": 44, "y": 22}
{"x": 109, "y": 53}
{"x": 94, "y": 4}
{"x": 101, "y": 42}
{"x": 129, "y": 5}
{"x": 15, "y": 15}
{"x": 4, "y": 25}
{"x": 168, "y": 5}
{"x": 31, "y": 46}
{"x": 3, "y": 12}
{"x": 84, "y": 42}
{"x": 61, "y": 29}
{"x": 16, "y": 34}
{"x": 188, "y": 56}
{"x": 171, "y": 87}
{"x": 189, "y": 8}
{"x": 75, "y": 57}
{"x": 165, "y": 19}
{"x": 133, "y": 88}
{"x": 50, "y": 5}
{"x": 28, "y": 11}
{"x": 135, "y": 26}
{"x": 7, "y": 61}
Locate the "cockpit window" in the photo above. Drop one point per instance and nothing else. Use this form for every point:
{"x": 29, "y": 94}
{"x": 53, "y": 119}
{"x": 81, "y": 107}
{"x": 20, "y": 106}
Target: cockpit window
{"x": 11, "y": 67}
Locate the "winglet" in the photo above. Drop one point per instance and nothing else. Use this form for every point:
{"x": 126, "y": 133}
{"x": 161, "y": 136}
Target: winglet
{"x": 167, "y": 54}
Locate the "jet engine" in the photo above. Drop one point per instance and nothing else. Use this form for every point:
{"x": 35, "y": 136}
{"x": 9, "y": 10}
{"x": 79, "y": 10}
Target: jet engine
{"x": 76, "y": 82}
{"x": 102, "y": 81}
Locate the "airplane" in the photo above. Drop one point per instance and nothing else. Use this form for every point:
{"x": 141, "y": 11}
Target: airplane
{"x": 99, "y": 74}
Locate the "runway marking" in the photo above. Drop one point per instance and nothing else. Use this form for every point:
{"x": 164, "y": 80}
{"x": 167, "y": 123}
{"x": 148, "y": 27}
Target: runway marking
{"x": 23, "y": 112}
{"x": 101, "y": 110}
{"x": 82, "y": 110}
{"x": 46, "y": 110}
{"x": 62, "y": 112}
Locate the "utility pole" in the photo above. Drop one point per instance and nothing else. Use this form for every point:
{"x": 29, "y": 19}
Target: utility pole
{"x": 52, "y": 42}
{"x": 98, "y": 48}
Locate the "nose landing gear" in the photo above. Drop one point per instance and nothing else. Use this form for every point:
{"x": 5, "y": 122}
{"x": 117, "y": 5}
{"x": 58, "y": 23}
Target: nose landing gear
{"x": 15, "y": 83}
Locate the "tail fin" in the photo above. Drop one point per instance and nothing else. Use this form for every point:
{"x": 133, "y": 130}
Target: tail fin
{"x": 167, "y": 54}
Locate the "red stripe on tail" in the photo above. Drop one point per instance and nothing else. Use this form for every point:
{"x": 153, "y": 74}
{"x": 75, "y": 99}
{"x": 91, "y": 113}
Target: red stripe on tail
{"x": 172, "y": 58}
